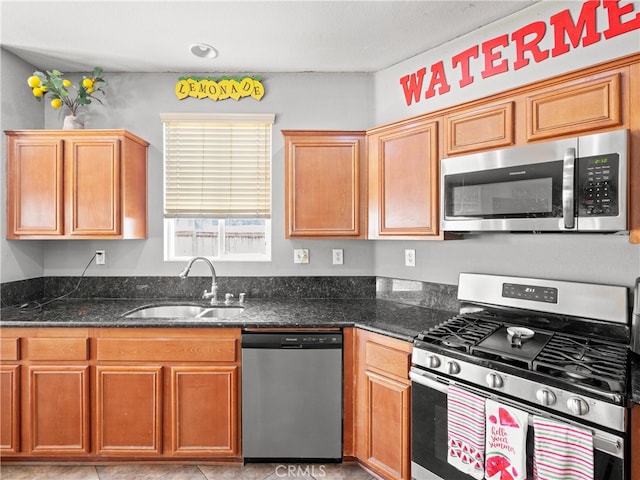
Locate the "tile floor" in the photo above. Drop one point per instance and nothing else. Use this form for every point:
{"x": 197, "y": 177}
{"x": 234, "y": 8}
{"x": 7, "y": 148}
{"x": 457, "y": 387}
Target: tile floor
{"x": 253, "y": 471}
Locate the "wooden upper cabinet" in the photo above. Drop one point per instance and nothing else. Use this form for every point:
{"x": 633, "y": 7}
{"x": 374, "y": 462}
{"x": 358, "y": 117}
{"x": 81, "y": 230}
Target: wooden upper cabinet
{"x": 480, "y": 128}
{"x": 403, "y": 180}
{"x": 80, "y": 184}
{"x": 325, "y": 184}
{"x": 578, "y": 106}
{"x": 35, "y": 196}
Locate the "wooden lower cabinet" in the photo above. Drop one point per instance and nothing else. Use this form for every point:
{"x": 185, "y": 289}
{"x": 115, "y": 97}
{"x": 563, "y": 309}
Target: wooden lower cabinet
{"x": 57, "y": 410}
{"x": 635, "y": 442}
{"x": 204, "y": 411}
{"x": 382, "y": 405}
{"x": 128, "y": 410}
{"x": 111, "y": 394}
{"x": 9, "y": 409}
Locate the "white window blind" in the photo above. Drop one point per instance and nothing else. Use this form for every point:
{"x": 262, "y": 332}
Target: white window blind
{"x": 217, "y": 166}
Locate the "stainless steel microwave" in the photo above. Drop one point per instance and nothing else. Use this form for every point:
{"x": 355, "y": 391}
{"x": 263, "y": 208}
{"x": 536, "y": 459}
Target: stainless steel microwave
{"x": 570, "y": 185}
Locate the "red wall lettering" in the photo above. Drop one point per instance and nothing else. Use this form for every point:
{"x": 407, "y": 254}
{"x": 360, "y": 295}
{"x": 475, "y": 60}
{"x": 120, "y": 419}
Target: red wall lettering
{"x": 566, "y": 33}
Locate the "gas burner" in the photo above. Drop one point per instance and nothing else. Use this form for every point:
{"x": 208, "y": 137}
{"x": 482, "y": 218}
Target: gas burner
{"x": 454, "y": 341}
{"x": 578, "y": 372}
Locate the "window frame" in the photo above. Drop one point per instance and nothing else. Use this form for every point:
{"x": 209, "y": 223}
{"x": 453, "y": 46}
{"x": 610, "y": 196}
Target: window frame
{"x": 169, "y": 245}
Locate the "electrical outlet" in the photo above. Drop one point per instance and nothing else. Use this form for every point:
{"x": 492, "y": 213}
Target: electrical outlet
{"x": 301, "y": 255}
{"x": 409, "y": 257}
{"x": 338, "y": 256}
{"x": 101, "y": 257}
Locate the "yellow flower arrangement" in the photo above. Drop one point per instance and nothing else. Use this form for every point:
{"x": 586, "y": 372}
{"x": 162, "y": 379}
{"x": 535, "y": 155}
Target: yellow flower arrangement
{"x": 59, "y": 88}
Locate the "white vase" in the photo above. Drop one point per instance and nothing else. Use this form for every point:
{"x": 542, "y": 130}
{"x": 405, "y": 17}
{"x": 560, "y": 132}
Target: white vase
{"x": 71, "y": 122}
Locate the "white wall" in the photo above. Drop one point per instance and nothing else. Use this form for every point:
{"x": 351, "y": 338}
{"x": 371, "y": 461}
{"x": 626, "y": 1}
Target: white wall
{"x": 18, "y": 260}
{"x": 300, "y": 101}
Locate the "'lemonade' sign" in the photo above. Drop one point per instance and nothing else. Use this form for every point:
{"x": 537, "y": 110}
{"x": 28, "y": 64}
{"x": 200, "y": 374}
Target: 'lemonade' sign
{"x": 219, "y": 89}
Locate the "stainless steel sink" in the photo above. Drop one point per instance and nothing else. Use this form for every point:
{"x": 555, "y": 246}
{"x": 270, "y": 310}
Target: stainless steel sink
{"x": 184, "y": 311}
{"x": 221, "y": 313}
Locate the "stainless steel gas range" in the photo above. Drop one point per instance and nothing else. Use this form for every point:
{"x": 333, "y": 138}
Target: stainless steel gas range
{"x": 552, "y": 349}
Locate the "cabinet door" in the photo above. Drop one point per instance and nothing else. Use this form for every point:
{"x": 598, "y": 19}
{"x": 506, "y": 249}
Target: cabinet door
{"x": 405, "y": 162}
{"x": 387, "y": 435}
{"x": 204, "y": 411}
{"x": 574, "y": 108}
{"x": 382, "y": 426}
{"x": 635, "y": 442}
{"x": 58, "y": 409}
{"x": 9, "y": 409}
{"x": 128, "y": 410}
{"x": 324, "y": 184}
{"x": 480, "y": 128}
{"x": 92, "y": 177}
{"x": 34, "y": 186}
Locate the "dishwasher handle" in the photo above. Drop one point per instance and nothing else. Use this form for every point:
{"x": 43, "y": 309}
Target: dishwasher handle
{"x": 292, "y": 340}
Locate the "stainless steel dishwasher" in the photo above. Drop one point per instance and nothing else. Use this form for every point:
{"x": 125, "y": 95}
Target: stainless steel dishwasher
{"x": 292, "y": 396}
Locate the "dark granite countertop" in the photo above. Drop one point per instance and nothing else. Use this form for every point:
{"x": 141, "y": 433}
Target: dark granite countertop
{"x": 390, "y": 318}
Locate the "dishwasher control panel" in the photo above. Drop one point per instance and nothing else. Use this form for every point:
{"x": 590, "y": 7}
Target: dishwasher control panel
{"x": 292, "y": 340}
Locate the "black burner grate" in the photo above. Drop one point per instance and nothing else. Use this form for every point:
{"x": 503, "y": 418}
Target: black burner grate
{"x": 585, "y": 361}
{"x": 461, "y": 332}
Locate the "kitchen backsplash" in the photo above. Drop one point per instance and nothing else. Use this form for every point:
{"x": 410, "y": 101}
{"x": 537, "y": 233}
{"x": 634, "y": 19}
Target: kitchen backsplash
{"x": 423, "y": 294}
{"x": 430, "y": 295}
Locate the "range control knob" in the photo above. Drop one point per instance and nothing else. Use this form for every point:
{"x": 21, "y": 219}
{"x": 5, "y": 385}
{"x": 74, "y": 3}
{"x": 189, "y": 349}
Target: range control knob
{"x": 546, "y": 397}
{"x": 577, "y": 406}
{"x": 433, "y": 361}
{"x": 453, "y": 367}
{"x": 494, "y": 380}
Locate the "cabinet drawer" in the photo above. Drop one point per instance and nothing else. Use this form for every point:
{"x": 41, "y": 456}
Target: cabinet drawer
{"x": 167, "y": 350}
{"x": 9, "y": 349}
{"x": 43, "y": 348}
{"x": 387, "y": 360}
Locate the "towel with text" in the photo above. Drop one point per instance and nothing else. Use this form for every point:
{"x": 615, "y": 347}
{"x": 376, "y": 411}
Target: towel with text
{"x": 506, "y": 441}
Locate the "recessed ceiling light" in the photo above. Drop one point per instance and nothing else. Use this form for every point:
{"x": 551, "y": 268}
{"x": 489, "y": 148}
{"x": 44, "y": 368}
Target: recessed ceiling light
{"x": 203, "y": 50}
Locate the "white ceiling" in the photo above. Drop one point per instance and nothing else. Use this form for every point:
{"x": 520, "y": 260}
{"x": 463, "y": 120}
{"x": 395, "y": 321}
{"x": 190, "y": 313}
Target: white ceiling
{"x": 250, "y": 36}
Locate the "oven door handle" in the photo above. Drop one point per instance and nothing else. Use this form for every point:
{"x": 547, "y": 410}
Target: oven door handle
{"x": 602, "y": 441}
{"x": 418, "y": 377}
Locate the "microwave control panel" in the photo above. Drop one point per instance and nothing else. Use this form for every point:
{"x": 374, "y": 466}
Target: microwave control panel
{"x": 598, "y": 181}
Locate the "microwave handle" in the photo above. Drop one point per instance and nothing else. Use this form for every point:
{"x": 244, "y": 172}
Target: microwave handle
{"x": 568, "y": 185}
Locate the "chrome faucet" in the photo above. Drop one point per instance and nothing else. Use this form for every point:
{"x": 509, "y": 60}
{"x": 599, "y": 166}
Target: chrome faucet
{"x": 213, "y": 294}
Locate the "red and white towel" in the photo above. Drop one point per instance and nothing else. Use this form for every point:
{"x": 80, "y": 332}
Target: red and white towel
{"x": 465, "y": 418}
{"x": 561, "y": 451}
{"x": 506, "y": 442}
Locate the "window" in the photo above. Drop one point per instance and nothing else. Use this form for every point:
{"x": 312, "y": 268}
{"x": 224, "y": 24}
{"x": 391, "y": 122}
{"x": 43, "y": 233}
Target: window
{"x": 217, "y": 186}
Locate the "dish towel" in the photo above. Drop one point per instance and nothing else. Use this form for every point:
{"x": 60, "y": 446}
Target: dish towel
{"x": 506, "y": 442}
{"x": 561, "y": 451}
{"x": 465, "y": 424}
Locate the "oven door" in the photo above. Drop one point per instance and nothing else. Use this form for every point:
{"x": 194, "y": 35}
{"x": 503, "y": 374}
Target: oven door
{"x": 529, "y": 188}
{"x": 429, "y": 433}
